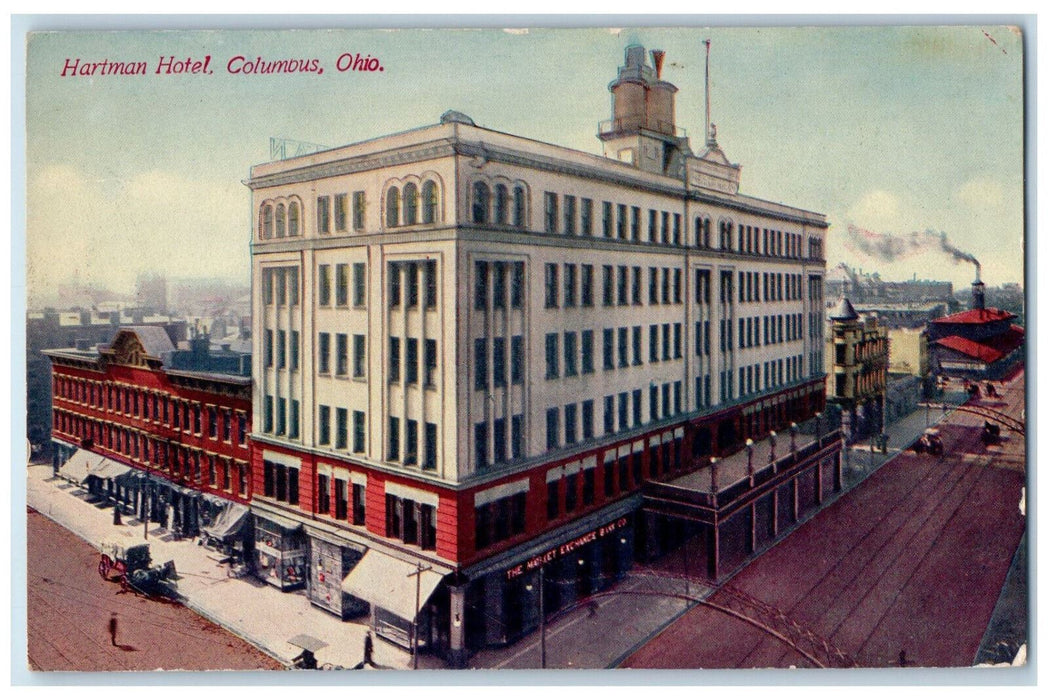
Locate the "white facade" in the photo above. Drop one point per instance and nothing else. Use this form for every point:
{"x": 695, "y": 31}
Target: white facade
{"x": 441, "y": 422}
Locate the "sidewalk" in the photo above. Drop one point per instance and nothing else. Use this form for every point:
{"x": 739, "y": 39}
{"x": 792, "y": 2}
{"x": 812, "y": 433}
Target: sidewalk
{"x": 251, "y": 609}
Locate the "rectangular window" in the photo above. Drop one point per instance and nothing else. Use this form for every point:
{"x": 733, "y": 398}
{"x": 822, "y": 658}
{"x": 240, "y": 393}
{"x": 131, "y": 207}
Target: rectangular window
{"x": 292, "y": 285}
{"x": 517, "y": 436}
{"x": 552, "y": 428}
{"x": 570, "y": 354}
{"x": 637, "y": 344}
{"x": 394, "y": 284}
{"x": 359, "y": 502}
{"x": 267, "y": 347}
{"x": 653, "y": 403}
{"x": 480, "y": 286}
{"x": 411, "y": 442}
{"x": 498, "y": 362}
{"x": 587, "y": 419}
{"x": 430, "y": 268}
{"x": 587, "y": 352}
{"x": 570, "y": 424}
{"x": 623, "y": 347}
{"x": 571, "y": 492}
{"x": 636, "y": 407}
{"x": 431, "y": 362}
{"x": 635, "y": 287}
{"x": 622, "y": 221}
{"x": 587, "y": 285}
{"x": 607, "y": 219}
{"x": 394, "y": 439}
{"x": 324, "y": 353}
{"x": 653, "y": 285}
{"x": 609, "y": 348}
{"x": 341, "y": 428}
{"x": 609, "y": 285}
{"x": 552, "y": 499}
{"x": 665, "y": 227}
{"x": 665, "y": 341}
{"x": 624, "y": 410}
{"x": 570, "y": 284}
{"x": 517, "y": 359}
{"x": 623, "y": 285}
{"x": 323, "y": 425}
{"x": 341, "y": 500}
{"x": 609, "y": 415}
{"x": 678, "y": 342}
{"x": 358, "y": 431}
{"x": 340, "y": 212}
{"x": 411, "y": 361}
{"x": 394, "y": 359}
{"x": 293, "y": 350}
{"x": 359, "y": 356}
{"x": 653, "y": 230}
{"x": 569, "y": 214}
{"x": 498, "y": 285}
{"x": 551, "y": 286}
{"x": 341, "y": 354}
{"x": 359, "y": 284}
{"x": 550, "y": 199}
{"x": 499, "y": 440}
{"x": 293, "y": 420}
{"x": 358, "y": 210}
{"x": 341, "y": 284}
{"x": 480, "y": 444}
{"x": 676, "y": 229}
{"x": 323, "y": 214}
{"x": 516, "y": 289}
{"x": 552, "y": 354}
{"x": 635, "y": 223}
{"x": 324, "y": 285}
{"x": 281, "y": 349}
{"x": 412, "y": 269}
{"x": 430, "y": 458}
{"x": 587, "y": 217}
{"x": 480, "y": 364}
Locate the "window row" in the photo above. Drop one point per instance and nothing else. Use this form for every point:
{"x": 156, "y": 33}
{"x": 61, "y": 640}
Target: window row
{"x": 405, "y": 366}
{"x": 411, "y": 522}
{"x": 492, "y": 444}
{"x": 404, "y": 274}
{"x": 180, "y": 414}
{"x": 196, "y": 466}
{"x": 753, "y": 240}
{"x": 341, "y": 354}
{"x": 333, "y": 214}
{"x": 503, "y": 205}
{"x": 280, "y": 286}
{"x": 618, "y": 221}
{"x": 281, "y": 220}
{"x": 342, "y": 284}
{"x": 410, "y": 439}
{"x": 489, "y": 370}
{"x": 413, "y": 205}
{"x": 341, "y": 491}
{"x": 280, "y": 482}
{"x": 499, "y": 520}
{"x": 280, "y": 349}
{"x": 777, "y": 286}
{"x": 492, "y": 280}
{"x": 280, "y": 416}
{"x": 341, "y": 429}
{"x": 622, "y": 285}
{"x": 781, "y": 328}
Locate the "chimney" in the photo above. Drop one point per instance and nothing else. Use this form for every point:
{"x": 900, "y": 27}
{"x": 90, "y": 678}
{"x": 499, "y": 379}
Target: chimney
{"x": 657, "y": 56}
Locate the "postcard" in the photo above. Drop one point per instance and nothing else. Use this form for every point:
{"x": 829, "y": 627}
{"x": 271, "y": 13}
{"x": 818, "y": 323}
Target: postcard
{"x": 526, "y": 348}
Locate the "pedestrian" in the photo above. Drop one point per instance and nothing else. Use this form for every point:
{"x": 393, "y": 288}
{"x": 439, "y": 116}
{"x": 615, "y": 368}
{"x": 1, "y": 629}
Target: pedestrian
{"x": 902, "y": 658}
{"x": 112, "y": 629}
{"x": 368, "y": 649}
{"x": 116, "y": 514}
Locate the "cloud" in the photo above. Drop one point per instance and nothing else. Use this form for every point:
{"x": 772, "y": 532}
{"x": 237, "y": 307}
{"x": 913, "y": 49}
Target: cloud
{"x": 107, "y": 230}
{"x": 980, "y": 194}
{"x": 878, "y": 210}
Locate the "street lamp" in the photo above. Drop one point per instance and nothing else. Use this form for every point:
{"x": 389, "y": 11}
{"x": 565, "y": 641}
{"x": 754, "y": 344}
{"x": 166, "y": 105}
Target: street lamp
{"x": 771, "y": 441}
{"x": 749, "y": 459}
{"x": 793, "y": 437}
{"x": 542, "y": 614}
{"x": 713, "y": 475}
{"x": 818, "y": 427}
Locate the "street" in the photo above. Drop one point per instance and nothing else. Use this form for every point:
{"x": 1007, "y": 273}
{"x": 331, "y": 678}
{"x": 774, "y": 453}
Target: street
{"x": 904, "y": 570}
{"x": 69, "y": 607}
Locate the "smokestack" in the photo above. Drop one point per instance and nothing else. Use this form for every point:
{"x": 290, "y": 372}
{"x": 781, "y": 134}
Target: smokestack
{"x": 978, "y": 289}
{"x": 657, "y": 56}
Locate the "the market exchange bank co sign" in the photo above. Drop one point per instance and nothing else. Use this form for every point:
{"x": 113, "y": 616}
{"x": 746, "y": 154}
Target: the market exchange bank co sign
{"x": 566, "y": 548}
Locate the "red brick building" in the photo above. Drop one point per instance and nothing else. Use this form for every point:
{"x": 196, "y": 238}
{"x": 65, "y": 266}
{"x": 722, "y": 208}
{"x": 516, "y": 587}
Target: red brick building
{"x": 161, "y": 429}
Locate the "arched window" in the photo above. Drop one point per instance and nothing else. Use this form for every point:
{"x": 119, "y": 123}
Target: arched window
{"x": 706, "y": 224}
{"x": 267, "y": 221}
{"x": 429, "y": 202}
{"x": 393, "y": 207}
{"x": 518, "y": 206}
{"x": 501, "y": 204}
{"x": 292, "y": 219}
{"x": 410, "y": 203}
{"x": 281, "y": 220}
{"x": 480, "y": 202}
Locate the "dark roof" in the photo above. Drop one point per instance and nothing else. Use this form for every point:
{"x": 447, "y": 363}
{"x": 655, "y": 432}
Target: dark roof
{"x": 844, "y": 311}
{"x": 989, "y": 350}
{"x": 154, "y": 339}
{"x": 976, "y": 316}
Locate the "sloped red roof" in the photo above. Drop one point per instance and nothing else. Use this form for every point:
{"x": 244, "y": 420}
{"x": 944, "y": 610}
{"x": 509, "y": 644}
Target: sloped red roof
{"x": 976, "y": 316}
{"x": 991, "y": 349}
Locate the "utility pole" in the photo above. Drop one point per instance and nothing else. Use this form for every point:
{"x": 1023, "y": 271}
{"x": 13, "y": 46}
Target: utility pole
{"x": 418, "y": 603}
{"x": 542, "y": 615}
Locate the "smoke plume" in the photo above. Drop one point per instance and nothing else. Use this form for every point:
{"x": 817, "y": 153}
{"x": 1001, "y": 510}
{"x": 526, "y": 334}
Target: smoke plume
{"x": 888, "y": 247}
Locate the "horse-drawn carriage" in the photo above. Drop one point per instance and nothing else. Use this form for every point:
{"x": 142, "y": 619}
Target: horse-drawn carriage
{"x": 930, "y": 442}
{"x": 129, "y": 562}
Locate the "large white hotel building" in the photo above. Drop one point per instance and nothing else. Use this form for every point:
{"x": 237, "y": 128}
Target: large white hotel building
{"x": 477, "y": 356}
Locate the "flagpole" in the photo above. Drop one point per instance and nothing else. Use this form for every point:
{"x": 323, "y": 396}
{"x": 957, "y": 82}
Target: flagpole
{"x": 707, "y": 42}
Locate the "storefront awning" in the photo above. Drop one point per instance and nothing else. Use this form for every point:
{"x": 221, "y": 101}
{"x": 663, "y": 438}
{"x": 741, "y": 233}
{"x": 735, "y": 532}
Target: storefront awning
{"x": 229, "y": 522}
{"x": 85, "y": 463}
{"x": 390, "y": 583}
{"x": 109, "y": 469}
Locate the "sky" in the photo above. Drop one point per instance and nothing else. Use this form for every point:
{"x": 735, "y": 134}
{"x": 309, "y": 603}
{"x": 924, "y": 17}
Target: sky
{"x": 892, "y": 130}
